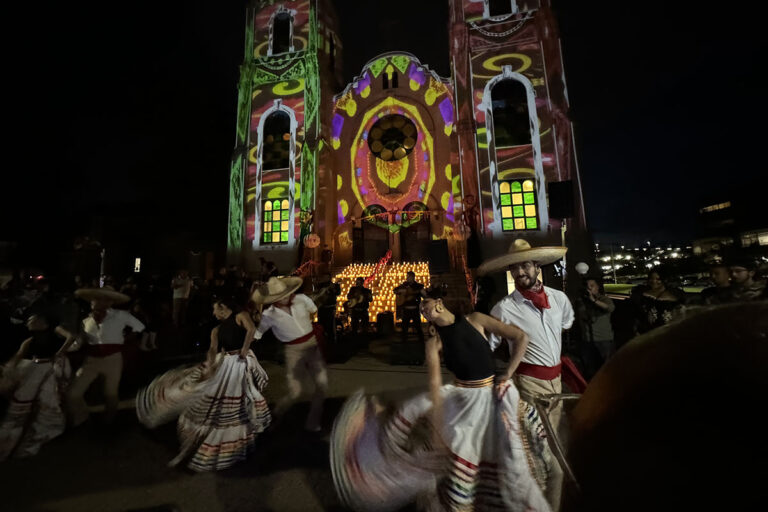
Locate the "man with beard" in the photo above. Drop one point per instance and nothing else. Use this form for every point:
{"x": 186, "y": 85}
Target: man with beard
{"x": 542, "y": 313}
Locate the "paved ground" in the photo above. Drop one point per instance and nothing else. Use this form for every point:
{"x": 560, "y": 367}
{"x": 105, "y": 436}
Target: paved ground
{"x": 126, "y": 469}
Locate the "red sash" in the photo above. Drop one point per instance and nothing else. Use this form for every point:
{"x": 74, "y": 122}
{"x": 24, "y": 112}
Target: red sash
{"x": 538, "y": 372}
{"x": 301, "y": 339}
{"x": 318, "y": 333}
{"x": 571, "y": 375}
{"x": 104, "y": 350}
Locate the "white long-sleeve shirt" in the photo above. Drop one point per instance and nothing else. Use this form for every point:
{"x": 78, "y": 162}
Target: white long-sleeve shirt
{"x": 110, "y": 330}
{"x": 543, "y": 327}
{"x": 288, "y": 327}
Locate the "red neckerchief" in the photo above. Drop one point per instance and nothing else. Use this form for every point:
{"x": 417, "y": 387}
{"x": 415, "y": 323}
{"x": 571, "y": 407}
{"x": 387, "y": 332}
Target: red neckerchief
{"x": 537, "y": 295}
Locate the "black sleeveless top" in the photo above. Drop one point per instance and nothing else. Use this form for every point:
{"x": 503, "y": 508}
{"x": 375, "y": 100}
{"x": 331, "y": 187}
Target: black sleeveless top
{"x": 231, "y": 335}
{"x": 467, "y": 354}
{"x": 44, "y": 345}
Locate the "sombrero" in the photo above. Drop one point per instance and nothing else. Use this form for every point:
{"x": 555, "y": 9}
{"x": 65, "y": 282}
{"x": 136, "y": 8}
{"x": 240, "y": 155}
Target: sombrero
{"x": 520, "y": 251}
{"x": 275, "y": 289}
{"x": 106, "y": 293}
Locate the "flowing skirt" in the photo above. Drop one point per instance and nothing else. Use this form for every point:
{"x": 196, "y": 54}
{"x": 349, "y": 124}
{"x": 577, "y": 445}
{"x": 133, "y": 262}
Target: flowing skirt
{"x": 35, "y": 414}
{"x": 495, "y": 458}
{"x": 219, "y": 415}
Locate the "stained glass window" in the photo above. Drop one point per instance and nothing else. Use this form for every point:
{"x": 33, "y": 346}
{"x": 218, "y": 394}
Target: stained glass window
{"x": 276, "y": 215}
{"x": 517, "y": 200}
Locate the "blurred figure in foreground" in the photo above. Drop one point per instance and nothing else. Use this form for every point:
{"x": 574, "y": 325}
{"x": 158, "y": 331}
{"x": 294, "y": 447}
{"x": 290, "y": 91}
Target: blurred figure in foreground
{"x": 665, "y": 424}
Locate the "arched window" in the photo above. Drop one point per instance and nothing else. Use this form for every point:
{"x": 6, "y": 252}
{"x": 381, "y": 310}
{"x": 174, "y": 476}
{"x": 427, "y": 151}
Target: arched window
{"x": 281, "y": 33}
{"x": 276, "y": 141}
{"x": 276, "y": 176}
{"x": 511, "y": 122}
{"x": 495, "y": 8}
{"x": 519, "y": 208}
{"x": 277, "y": 214}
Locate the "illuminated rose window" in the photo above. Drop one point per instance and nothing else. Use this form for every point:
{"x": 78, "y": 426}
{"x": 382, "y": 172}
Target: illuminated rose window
{"x": 392, "y": 137}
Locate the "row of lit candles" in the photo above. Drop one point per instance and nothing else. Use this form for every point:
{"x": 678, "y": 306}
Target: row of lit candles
{"x": 382, "y": 285}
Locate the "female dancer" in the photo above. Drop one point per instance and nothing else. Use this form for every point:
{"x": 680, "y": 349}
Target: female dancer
{"x": 39, "y": 371}
{"x": 219, "y": 403}
{"x": 487, "y": 449}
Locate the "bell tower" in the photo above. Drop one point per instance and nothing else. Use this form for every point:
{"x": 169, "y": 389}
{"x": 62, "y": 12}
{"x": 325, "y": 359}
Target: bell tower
{"x": 290, "y": 57}
{"x": 517, "y": 157}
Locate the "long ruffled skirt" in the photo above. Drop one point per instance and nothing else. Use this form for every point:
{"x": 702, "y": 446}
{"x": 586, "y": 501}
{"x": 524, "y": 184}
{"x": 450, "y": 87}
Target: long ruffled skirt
{"x": 219, "y": 417}
{"x": 495, "y": 455}
{"x": 35, "y": 414}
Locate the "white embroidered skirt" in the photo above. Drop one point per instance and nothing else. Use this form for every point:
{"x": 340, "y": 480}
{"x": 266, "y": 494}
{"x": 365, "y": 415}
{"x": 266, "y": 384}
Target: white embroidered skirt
{"x": 35, "y": 414}
{"x": 495, "y": 456}
{"x": 219, "y": 416}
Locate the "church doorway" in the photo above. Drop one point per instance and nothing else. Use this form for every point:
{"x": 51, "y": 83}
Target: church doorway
{"x": 371, "y": 240}
{"x": 415, "y": 233}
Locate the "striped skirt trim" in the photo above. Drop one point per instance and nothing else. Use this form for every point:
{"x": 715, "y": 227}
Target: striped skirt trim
{"x": 219, "y": 416}
{"x": 486, "y": 463}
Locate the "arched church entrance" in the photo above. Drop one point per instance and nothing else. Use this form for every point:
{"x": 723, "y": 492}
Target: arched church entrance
{"x": 415, "y": 232}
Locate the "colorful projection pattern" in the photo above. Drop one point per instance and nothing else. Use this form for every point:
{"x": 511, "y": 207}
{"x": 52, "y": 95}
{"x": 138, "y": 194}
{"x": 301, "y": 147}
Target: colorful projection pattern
{"x": 518, "y": 205}
{"x": 496, "y": 164}
{"x": 382, "y": 178}
{"x": 293, "y": 78}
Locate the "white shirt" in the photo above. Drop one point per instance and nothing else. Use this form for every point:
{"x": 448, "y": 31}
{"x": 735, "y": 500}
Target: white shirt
{"x": 182, "y": 292}
{"x": 288, "y": 327}
{"x": 544, "y": 328}
{"x": 110, "y": 330}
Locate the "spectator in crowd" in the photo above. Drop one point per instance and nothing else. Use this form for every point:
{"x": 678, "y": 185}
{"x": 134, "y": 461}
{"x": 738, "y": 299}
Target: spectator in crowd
{"x": 744, "y": 285}
{"x": 657, "y": 302}
{"x": 182, "y": 287}
{"x": 720, "y": 293}
{"x": 593, "y": 310}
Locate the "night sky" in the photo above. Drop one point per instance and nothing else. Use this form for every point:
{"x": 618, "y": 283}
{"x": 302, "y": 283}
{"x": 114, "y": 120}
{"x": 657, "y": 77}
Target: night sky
{"x": 128, "y": 110}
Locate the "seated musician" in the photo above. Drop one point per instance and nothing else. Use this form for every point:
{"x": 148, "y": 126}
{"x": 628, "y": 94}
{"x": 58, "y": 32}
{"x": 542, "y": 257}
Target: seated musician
{"x": 359, "y": 298}
{"x": 409, "y": 296}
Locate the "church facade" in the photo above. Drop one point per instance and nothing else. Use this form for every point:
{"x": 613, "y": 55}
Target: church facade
{"x": 402, "y": 159}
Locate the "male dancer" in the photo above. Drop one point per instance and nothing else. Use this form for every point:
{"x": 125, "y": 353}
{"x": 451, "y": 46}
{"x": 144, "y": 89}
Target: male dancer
{"x": 289, "y": 315}
{"x": 542, "y": 313}
{"x": 104, "y": 335}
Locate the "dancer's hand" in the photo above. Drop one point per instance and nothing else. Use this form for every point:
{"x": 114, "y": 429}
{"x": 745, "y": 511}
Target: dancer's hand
{"x": 500, "y": 388}
{"x": 244, "y": 353}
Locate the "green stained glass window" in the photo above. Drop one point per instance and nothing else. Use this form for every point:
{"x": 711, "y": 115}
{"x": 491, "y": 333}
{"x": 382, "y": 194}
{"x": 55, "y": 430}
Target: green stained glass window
{"x": 276, "y": 221}
{"x": 518, "y": 209}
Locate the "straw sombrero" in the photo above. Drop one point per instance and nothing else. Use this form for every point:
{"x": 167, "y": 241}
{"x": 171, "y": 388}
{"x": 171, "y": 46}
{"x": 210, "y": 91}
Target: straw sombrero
{"x": 520, "y": 251}
{"x": 106, "y": 293}
{"x": 275, "y": 289}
